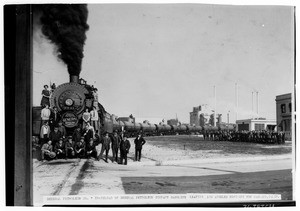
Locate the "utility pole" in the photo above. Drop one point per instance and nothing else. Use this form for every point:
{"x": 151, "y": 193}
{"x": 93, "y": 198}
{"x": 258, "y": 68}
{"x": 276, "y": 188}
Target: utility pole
{"x": 215, "y": 111}
{"x": 252, "y": 107}
{"x": 236, "y": 101}
{"x": 228, "y": 117}
{"x": 257, "y": 104}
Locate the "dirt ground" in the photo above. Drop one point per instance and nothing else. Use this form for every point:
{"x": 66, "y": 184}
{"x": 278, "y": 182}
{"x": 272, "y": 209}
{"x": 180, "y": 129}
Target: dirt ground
{"x": 184, "y": 147}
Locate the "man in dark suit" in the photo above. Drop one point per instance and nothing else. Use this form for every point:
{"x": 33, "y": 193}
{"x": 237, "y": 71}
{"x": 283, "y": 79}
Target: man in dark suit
{"x": 60, "y": 149}
{"x": 55, "y": 136}
{"x": 87, "y": 133}
{"x": 139, "y": 142}
{"x": 54, "y": 118}
{"x": 76, "y": 136}
{"x": 80, "y": 148}
{"x": 124, "y": 149}
{"x": 91, "y": 149}
{"x": 70, "y": 152}
{"x": 115, "y": 146}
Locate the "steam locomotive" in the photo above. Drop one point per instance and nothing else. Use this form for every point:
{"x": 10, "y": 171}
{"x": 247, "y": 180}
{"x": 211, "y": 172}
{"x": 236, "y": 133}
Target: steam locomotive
{"x": 72, "y": 99}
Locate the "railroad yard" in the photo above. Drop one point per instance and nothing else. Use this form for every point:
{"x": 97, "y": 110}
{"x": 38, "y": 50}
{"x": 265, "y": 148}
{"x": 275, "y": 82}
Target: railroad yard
{"x": 173, "y": 165}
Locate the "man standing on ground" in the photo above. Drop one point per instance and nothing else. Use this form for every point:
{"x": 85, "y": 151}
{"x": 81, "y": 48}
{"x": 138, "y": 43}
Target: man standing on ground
{"x": 124, "y": 149}
{"x": 139, "y": 142}
{"x": 105, "y": 146}
{"x": 115, "y": 146}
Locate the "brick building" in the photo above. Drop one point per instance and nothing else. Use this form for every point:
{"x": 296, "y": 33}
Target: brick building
{"x": 284, "y": 113}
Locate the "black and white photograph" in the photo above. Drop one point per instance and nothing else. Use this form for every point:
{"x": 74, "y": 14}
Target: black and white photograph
{"x": 152, "y": 104}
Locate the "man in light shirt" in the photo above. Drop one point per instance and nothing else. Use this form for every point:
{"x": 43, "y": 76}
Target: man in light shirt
{"x": 95, "y": 119}
{"x": 45, "y": 131}
{"x": 45, "y": 114}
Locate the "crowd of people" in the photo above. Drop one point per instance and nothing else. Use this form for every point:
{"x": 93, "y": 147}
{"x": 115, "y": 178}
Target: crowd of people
{"x": 263, "y": 137}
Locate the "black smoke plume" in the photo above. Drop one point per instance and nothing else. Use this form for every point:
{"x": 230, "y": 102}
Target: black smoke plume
{"x": 65, "y": 25}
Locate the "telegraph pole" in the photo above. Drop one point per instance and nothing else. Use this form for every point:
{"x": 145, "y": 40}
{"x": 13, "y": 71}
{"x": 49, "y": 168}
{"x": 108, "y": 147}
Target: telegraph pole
{"x": 236, "y": 101}
{"x": 215, "y": 111}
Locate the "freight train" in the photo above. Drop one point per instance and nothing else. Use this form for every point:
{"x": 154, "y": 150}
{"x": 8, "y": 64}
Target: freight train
{"x": 72, "y": 99}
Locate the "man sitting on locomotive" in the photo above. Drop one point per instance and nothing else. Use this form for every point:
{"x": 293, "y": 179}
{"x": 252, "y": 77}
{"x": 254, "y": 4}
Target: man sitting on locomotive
{"x": 80, "y": 148}
{"x": 44, "y": 133}
{"x": 45, "y": 114}
{"x": 88, "y": 133}
{"x": 46, "y": 96}
{"x": 86, "y": 117}
{"x": 94, "y": 118}
{"x": 60, "y": 149}
{"x": 54, "y": 118}
{"x": 47, "y": 151}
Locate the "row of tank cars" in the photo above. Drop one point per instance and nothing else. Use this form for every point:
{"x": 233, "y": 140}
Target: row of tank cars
{"x": 149, "y": 129}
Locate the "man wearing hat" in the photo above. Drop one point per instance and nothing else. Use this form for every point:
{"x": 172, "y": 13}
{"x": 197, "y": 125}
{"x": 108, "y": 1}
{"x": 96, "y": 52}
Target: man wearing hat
{"x": 60, "y": 149}
{"x": 139, "y": 142}
{"x": 47, "y": 151}
{"x": 80, "y": 148}
{"x": 105, "y": 146}
{"x": 115, "y": 146}
{"x": 70, "y": 152}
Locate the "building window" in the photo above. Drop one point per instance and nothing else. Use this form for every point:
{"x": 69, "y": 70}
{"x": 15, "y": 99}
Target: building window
{"x": 283, "y": 108}
{"x": 290, "y": 107}
{"x": 259, "y": 127}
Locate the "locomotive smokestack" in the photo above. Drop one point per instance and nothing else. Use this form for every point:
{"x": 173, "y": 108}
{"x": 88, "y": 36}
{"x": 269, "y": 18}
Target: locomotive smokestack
{"x": 74, "y": 78}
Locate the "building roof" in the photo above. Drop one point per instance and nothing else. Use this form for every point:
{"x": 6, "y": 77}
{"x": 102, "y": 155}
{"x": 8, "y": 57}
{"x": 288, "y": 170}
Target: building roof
{"x": 256, "y": 120}
{"x": 284, "y": 96}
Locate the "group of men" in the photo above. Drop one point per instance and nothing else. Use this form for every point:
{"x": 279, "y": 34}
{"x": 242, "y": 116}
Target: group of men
{"x": 68, "y": 148}
{"x": 263, "y": 137}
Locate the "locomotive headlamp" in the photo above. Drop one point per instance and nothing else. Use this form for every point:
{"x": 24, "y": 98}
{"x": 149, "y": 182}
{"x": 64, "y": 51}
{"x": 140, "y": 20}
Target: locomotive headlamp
{"x": 69, "y": 102}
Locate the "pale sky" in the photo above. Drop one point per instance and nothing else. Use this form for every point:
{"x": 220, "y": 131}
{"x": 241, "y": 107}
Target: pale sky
{"x": 161, "y": 60}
